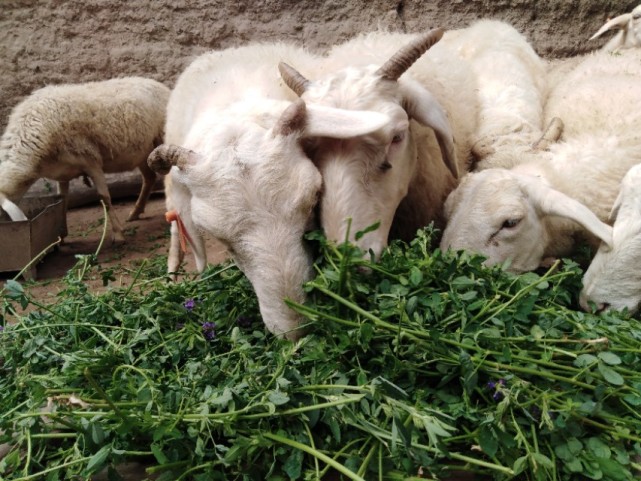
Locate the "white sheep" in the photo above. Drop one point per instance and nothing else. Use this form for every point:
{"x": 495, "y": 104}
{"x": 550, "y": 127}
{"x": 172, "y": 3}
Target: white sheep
{"x": 65, "y": 131}
{"x": 629, "y": 34}
{"x": 241, "y": 174}
{"x": 613, "y": 279}
{"x": 536, "y": 210}
{"x": 400, "y": 175}
{"x": 511, "y": 88}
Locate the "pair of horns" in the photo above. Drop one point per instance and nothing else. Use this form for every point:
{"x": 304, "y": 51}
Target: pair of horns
{"x": 402, "y": 60}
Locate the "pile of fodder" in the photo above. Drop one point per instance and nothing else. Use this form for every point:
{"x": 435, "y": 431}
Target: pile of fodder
{"x": 416, "y": 367}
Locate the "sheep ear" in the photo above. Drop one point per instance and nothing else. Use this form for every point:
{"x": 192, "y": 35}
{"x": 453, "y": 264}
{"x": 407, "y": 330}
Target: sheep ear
{"x": 423, "y": 107}
{"x": 15, "y": 213}
{"x": 616, "y": 22}
{"x": 552, "y": 202}
{"x": 615, "y": 208}
{"x": 340, "y": 123}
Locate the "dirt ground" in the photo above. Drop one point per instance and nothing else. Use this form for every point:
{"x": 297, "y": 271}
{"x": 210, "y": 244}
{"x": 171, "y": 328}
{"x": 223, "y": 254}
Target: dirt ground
{"x": 145, "y": 238}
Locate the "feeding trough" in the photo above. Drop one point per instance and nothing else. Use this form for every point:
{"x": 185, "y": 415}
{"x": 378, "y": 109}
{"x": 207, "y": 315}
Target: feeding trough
{"x": 24, "y": 241}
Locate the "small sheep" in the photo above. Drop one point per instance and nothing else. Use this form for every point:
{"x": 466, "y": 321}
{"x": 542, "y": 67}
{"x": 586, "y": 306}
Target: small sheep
{"x": 400, "y": 175}
{"x": 536, "y": 210}
{"x": 629, "y": 34}
{"x": 65, "y": 131}
{"x": 238, "y": 172}
{"x": 613, "y": 279}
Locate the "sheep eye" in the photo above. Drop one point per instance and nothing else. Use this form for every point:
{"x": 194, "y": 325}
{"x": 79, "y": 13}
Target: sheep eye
{"x": 398, "y": 138}
{"x": 510, "y": 223}
{"x": 385, "y": 166}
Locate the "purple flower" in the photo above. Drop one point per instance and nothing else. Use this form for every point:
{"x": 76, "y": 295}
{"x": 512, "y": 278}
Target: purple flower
{"x": 496, "y": 387}
{"x": 209, "y": 330}
{"x": 189, "y": 304}
{"x": 1, "y": 328}
{"x": 244, "y": 321}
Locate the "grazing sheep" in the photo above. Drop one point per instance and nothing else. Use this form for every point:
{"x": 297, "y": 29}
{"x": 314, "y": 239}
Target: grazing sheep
{"x": 629, "y": 34}
{"x": 613, "y": 280}
{"x": 400, "y": 175}
{"x": 536, "y": 210}
{"x": 65, "y": 131}
{"x": 240, "y": 173}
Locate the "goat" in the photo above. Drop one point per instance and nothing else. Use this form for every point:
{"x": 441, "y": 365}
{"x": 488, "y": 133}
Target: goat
{"x": 65, "y": 131}
{"x": 237, "y": 170}
{"x": 400, "y": 175}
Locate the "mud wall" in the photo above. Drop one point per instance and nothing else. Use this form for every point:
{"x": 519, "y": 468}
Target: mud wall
{"x": 54, "y": 41}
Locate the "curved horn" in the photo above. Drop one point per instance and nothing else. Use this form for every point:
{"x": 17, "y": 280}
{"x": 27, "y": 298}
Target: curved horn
{"x": 292, "y": 119}
{"x": 293, "y": 78}
{"x": 165, "y": 156}
{"x": 552, "y": 134}
{"x": 410, "y": 53}
{"x": 616, "y": 22}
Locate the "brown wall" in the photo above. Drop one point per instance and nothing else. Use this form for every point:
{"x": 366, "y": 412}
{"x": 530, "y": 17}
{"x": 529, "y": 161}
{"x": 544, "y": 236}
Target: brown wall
{"x": 54, "y": 41}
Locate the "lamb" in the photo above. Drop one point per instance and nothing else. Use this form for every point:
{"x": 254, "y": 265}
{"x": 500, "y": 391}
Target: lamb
{"x": 613, "y": 281}
{"x": 629, "y": 34}
{"x": 237, "y": 170}
{"x": 535, "y": 211}
{"x": 400, "y": 175}
{"x": 65, "y": 131}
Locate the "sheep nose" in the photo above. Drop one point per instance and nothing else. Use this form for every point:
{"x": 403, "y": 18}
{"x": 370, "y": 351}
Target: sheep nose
{"x": 601, "y": 307}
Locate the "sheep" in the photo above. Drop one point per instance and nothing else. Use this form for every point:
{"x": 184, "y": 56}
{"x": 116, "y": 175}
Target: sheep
{"x": 237, "y": 170}
{"x": 535, "y": 211}
{"x": 511, "y": 87}
{"x": 400, "y": 175}
{"x": 629, "y": 34}
{"x": 65, "y": 131}
{"x": 613, "y": 281}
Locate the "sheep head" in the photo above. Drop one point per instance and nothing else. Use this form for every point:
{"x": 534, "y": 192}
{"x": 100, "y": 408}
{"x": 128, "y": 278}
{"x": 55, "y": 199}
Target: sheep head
{"x": 365, "y": 178}
{"x": 504, "y": 215}
{"x": 251, "y": 185}
{"x": 612, "y": 280}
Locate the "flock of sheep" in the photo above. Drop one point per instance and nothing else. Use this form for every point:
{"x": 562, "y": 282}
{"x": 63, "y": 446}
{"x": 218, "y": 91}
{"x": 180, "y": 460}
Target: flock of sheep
{"x": 510, "y": 156}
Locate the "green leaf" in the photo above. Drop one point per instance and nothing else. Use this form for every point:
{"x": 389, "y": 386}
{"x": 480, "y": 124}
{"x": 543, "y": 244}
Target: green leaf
{"x": 158, "y": 454}
{"x": 542, "y": 460}
{"x": 610, "y": 375}
{"x": 614, "y": 470}
{"x": 585, "y": 360}
{"x": 416, "y": 276}
{"x": 488, "y": 441}
{"x": 598, "y": 447}
{"x": 371, "y": 228}
{"x": 98, "y": 460}
{"x": 293, "y": 465}
{"x": 278, "y": 398}
{"x": 609, "y": 358}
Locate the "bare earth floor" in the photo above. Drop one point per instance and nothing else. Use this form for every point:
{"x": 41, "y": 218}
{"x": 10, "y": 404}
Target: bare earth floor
{"x": 145, "y": 238}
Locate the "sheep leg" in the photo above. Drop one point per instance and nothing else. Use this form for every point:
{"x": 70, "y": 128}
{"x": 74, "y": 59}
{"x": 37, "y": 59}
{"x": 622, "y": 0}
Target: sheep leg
{"x": 98, "y": 178}
{"x": 148, "y": 181}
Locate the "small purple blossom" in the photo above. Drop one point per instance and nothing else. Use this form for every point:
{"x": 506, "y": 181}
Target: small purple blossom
{"x": 496, "y": 387}
{"x": 244, "y": 321}
{"x": 1, "y": 328}
{"x": 189, "y": 304}
{"x": 209, "y": 330}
